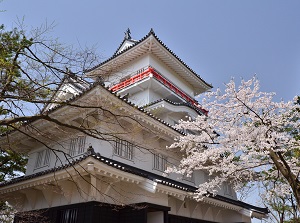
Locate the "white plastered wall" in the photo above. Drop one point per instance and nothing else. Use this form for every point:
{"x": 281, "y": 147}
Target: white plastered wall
{"x": 145, "y": 61}
{"x": 171, "y": 75}
{"x": 145, "y": 146}
{"x": 128, "y": 69}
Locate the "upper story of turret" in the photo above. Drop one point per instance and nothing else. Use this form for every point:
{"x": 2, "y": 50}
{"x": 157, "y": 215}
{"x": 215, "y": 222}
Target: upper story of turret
{"x": 150, "y": 75}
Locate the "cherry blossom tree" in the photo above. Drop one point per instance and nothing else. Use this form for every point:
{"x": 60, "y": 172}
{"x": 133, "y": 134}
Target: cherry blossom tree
{"x": 245, "y": 138}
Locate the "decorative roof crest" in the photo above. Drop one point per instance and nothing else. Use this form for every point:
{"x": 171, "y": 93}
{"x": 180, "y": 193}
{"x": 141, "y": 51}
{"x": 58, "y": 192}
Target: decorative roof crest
{"x": 127, "y": 34}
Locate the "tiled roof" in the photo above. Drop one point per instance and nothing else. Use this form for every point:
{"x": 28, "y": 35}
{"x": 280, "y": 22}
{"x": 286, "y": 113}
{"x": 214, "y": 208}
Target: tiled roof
{"x": 95, "y": 84}
{"x": 124, "y": 40}
{"x": 42, "y": 173}
{"x": 119, "y": 97}
{"x": 136, "y": 171}
{"x": 77, "y": 96}
{"x": 99, "y": 84}
{"x": 78, "y": 83}
{"x": 140, "y": 41}
{"x": 199, "y": 111}
{"x": 89, "y": 86}
{"x": 169, "y": 182}
{"x": 71, "y": 79}
{"x": 142, "y": 173}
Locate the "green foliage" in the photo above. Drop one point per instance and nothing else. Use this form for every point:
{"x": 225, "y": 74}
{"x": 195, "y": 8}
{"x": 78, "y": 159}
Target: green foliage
{"x": 16, "y": 81}
{"x": 13, "y": 44}
{"x": 32, "y": 66}
{"x": 12, "y": 164}
{"x": 13, "y": 85}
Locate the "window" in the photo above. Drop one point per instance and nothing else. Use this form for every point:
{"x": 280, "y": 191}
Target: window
{"x": 67, "y": 216}
{"x": 227, "y": 189}
{"x": 123, "y": 149}
{"x": 159, "y": 162}
{"x": 77, "y": 146}
{"x": 124, "y": 78}
{"x": 43, "y": 158}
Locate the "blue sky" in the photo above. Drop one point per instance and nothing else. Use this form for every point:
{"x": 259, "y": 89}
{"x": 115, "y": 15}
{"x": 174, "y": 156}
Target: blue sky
{"x": 217, "y": 39}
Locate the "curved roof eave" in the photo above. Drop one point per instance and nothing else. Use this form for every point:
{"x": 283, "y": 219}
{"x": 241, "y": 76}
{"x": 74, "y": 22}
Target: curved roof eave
{"x": 89, "y": 89}
{"x": 185, "y": 104}
{"x": 124, "y": 99}
{"x": 139, "y": 172}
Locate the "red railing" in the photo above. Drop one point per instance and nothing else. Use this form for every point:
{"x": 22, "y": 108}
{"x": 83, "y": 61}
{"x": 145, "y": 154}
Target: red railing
{"x": 131, "y": 80}
{"x": 160, "y": 78}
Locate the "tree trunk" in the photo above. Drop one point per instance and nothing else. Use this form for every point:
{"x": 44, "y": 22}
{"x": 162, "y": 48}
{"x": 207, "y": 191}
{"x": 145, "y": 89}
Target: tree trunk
{"x": 283, "y": 167}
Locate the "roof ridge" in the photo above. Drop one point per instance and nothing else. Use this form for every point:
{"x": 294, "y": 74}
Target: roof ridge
{"x": 151, "y": 32}
{"x": 99, "y": 83}
{"x": 117, "y": 54}
{"x": 121, "y": 98}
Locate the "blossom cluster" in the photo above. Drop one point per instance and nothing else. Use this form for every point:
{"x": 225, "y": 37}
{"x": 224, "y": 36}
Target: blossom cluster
{"x": 240, "y": 139}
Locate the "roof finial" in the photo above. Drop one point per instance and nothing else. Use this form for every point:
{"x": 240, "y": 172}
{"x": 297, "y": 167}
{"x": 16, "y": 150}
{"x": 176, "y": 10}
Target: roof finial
{"x": 68, "y": 72}
{"x": 127, "y": 34}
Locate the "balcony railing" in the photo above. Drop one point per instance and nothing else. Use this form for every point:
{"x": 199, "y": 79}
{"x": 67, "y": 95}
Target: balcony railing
{"x": 149, "y": 71}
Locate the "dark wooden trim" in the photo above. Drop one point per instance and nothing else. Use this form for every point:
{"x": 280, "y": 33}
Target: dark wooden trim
{"x": 92, "y": 212}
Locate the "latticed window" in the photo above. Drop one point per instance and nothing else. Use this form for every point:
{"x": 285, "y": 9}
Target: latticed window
{"x": 227, "y": 189}
{"x": 123, "y": 149}
{"x": 68, "y": 216}
{"x": 159, "y": 162}
{"x": 77, "y": 146}
{"x": 43, "y": 158}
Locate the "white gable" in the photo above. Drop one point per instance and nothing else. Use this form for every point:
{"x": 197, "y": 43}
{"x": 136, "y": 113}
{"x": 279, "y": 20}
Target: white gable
{"x": 69, "y": 88}
{"x": 125, "y": 45}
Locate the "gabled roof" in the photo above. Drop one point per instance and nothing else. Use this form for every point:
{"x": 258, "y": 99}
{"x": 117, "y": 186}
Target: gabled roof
{"x": 127, "y": 40}
{"x": 101, "y": 85}
{"x": 150, "y": 43}
{"x": 139, "y": 172}
{"x": 76, "y": 84}
{"x": 124, "y": 99}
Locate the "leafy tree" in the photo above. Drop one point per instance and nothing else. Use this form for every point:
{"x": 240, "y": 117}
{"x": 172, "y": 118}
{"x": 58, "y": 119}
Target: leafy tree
{"x": 246, "y": 137}
{"x": 32, "y": 66}
{"x": 12, "y": 164}
{"x": 282, "y": 208}
{"x": 11, "y": 82}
